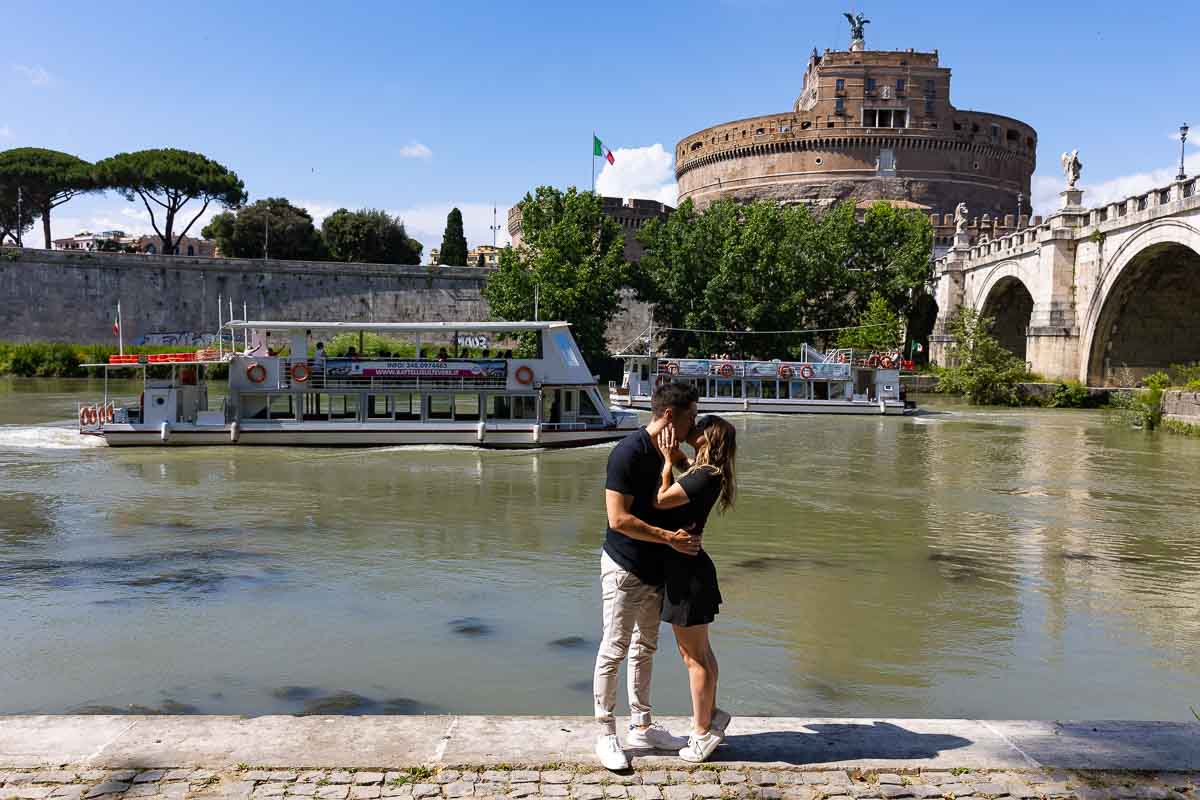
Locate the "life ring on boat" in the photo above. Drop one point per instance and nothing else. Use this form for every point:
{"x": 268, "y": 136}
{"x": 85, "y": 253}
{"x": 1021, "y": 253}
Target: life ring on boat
{"x": 807, "y": 372}
{"x": 93, "y": 415}
{"x": 83, "y": 416}
{"x": 109, "y": 414}
{"x": 843, "y": 358}
{"x": 256, "y": 373}
{"x": 672, "y": 368}
{"x": 524, "y": 375}
{"x": 726, "y": 370}
{"x": 786, "y": 372}
{"x": 300, "y": 372}
{"x": 873, "y": 361}
{"x": 886, "y": 362}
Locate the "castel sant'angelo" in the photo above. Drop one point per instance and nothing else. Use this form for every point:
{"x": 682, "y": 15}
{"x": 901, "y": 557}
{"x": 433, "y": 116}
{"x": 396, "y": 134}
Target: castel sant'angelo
{"x": 868, "y": 125}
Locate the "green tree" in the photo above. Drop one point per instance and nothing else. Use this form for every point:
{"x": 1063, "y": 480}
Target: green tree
{"x": 10, "y": 226}
{"x": 369, "y": 236}
{"x": 764, "y": 267}
{"x": 454, "y": 243}
{"x": 573, "y": 254}
{"x": 170, "y": 179}
{"x": 980, "y": 368}
{"x": 47, "y": 179}
{"x": 285, "y": 230}
{"x": 479, "y": 261}
{"x": 879, "y": 328}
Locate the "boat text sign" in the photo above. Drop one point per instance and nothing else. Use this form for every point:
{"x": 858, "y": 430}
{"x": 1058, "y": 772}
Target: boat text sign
{"x": 704, "y": 367}
{"x": 477, "y": 369}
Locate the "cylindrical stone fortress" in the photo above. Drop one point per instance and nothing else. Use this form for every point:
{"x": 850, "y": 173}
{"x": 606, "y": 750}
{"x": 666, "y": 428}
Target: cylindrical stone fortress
{"x": 868, "y": 125}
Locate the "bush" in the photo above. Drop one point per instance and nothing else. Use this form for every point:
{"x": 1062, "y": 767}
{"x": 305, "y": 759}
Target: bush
{"x": 1141, "y": 408}
{"x": 982, "y": 370}
{"x": 1071, "y": 394}
{"x": 1186, "y": 375}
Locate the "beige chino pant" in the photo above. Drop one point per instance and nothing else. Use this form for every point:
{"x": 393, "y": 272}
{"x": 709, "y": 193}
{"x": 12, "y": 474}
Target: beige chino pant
{"x": 632, "y": 612}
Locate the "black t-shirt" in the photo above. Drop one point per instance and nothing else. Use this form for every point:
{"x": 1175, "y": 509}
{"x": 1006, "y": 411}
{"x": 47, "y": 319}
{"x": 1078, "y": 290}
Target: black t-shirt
{"x": 635, "y": 468}
{"x": 703, "y": 488}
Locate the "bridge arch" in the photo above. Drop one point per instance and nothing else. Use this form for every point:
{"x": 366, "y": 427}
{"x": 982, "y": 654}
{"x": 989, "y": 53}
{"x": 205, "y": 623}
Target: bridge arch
{"x": 1004, "y": 295}
{"x": 1144, "y": 313}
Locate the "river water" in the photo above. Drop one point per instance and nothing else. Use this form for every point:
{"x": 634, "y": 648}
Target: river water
{"x": 961, "y": 563}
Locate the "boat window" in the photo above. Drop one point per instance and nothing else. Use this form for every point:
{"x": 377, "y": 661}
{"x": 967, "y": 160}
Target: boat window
{"x": 377, "y": 407}
{"x": 645, "y": 371}
{"x": 281, "y": 407}
{"x": 724, "y": 388}
{"x": 406, "y": 406}
{"x": 566, "y": 346}
{"x": 342, "y": 406}
{"x": 752, "y": 389}
{"x": 524, "y": 407}
{"x": 440, "y": 407}
{"x": 587, "y": 407}
{"x": 784, "y": 390}
{"x": 568, "y": 396}
{"x": 254, "y": 406}
{"x": 799, "y": 390}
{"x": 498, "y": 407}
{"x": 820, "y": 390}
{"x": 769, "y": 390}
{"x": 466, "y": 406}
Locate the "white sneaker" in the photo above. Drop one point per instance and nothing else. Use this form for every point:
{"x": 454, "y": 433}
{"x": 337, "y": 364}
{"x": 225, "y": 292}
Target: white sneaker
{"x": 699, "y": 748}
{"x": 720, "y": 721}
{"x": 609, "y": 751}
{"x": 654, "y": 737}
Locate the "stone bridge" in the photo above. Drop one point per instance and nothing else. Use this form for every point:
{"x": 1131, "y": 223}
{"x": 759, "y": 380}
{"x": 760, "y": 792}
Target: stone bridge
{"x": 1104, "y": 295}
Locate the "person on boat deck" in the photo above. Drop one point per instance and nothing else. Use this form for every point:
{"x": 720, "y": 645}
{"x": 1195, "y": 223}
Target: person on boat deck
{"x": 352, "y": 354}
{"x": 442, "y": 354}
{"x": 637, "y": 542}
{"x": 486, "y": 353}
{"x": 319, "y": 353}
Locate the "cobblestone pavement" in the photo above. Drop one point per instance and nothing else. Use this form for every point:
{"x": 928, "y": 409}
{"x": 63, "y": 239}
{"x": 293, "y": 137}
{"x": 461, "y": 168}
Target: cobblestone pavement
{"x": 556, "y": 781}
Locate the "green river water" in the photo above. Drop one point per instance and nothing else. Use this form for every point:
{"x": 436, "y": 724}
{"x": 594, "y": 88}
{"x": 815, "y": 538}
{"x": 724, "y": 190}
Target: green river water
{"x": 963, "y": 562}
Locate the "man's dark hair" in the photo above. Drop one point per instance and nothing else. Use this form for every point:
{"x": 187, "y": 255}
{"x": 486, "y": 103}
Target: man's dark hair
{"x": 679, "y": 396}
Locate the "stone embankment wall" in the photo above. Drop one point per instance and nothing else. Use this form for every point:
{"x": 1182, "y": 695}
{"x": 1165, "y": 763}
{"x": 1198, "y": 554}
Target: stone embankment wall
{"x": 72, "y": 297}
{"x": 1182, "y": 408}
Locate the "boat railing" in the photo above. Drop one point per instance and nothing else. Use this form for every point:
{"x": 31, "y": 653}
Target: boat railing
{"x": 566, "y": 426}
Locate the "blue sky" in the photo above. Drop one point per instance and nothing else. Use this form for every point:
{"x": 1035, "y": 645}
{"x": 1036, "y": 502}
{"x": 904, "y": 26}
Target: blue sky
{"x": 417, "y": 107}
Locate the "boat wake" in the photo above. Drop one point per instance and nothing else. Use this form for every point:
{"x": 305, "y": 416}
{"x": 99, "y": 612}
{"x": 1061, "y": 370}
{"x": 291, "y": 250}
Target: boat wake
{"x": 21, "y": 437}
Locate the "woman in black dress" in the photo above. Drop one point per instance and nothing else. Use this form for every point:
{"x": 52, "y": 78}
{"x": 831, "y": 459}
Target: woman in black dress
{"x": 691, "y": 597}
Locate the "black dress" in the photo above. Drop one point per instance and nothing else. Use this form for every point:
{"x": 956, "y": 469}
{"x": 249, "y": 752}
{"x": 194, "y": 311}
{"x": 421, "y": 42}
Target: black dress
{"x": 691, "y": 595}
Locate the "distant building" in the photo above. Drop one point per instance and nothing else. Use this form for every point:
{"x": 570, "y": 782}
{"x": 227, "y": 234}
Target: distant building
{"x": 120, "y": 242}
{"x": 491, "y": 256}
{"x": 630, "y": 214}
{"x": 433, "y": 256}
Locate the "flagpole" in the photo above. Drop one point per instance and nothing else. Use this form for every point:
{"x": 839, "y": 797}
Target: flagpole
{"x": 593, "y": 162}
{"x": 120, "y": 328}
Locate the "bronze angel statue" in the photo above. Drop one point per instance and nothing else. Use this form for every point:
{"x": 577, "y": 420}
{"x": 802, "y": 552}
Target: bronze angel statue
{"x": 857, "y": 24}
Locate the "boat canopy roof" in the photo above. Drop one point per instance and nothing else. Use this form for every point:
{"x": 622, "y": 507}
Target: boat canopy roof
{"x": 395, "y": 327}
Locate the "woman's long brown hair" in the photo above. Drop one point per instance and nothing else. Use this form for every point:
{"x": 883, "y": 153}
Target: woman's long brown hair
{"x": 718, "y": 453}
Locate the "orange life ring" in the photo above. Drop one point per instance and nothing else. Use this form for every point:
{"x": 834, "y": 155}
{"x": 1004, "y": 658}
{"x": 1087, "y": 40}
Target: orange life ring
{"x": 786, "y": 372}
{"x": 300, "y": 372}
{"x": 256, "y": 373}
{"x": 807, "y": 372}
{"x": 843, "y": 358}
{"x": 93, "y": 415}
{"x": 83, "y": 416}
{"x": 109, "y": 414}
{"x": 524, "y": 375}
{"x": 886, "y": 362}
{"x": 672, "y": 368}
{"x": 726, "y": 370}
{"x": 873, "y": 361}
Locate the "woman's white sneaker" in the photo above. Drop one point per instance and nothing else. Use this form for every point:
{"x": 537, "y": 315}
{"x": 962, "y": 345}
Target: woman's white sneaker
{"x": 653, "y": 737}
{"x": 699, "y": 748}
{"x": 608, "y": 750}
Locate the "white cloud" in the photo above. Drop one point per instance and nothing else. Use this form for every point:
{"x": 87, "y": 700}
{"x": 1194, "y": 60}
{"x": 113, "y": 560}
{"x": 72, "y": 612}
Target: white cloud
{"x": 317, "y": 210}
{"x": 645, "y": 173}
{"x": 5, "y": 131}
{"x": 1046, "y": 188}
{"x": 415, "y": 150}
{"x": 37, "y": 76}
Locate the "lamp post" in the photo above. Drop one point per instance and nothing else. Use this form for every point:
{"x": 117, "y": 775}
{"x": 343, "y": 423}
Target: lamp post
{"x": 1183, "y": 132}
{"x": 495, "y": 226}
{"x": 19, "y": 244}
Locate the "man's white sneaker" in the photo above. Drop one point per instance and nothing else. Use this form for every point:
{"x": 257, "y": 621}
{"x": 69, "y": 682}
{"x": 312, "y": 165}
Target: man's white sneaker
{"x": 699, "y": 748}
{"x": 654, "y": 737}
{"x": 720, "y": 721}
{"x": 609, "y": 751}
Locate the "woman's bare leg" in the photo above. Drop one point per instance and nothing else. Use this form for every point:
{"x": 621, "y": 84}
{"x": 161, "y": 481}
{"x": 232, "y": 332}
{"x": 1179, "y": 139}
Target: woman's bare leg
{"x": 713, "y": 670}
{"x": 697, "y": 657}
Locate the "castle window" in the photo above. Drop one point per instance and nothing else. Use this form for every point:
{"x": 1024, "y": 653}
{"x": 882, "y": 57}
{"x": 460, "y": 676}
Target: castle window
{"x": 1012, "y": 136}
{"x": 760, "y": 131}
{"x": 995, "y": 133}
{"x": 929, "y": 106}
{"x": 697, "y": 146}
{"x": 957, "y": 125}
{"x": 884, "y": 118}
{"x": 900, "y": 86}
{"x": 818, "y": 161}
{"x": 840, "y": 85}
{"x": 929, "y": 91}
{"x": 839, "y": 106}
{"x": 870, "y": 86}
{"x": 886, "y": 165}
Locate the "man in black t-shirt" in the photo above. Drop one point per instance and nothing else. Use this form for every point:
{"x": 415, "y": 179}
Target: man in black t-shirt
{"x": 631, "y": 575}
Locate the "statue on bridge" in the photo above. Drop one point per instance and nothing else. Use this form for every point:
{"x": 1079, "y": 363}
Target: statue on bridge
{"x": 857, "y": 23}
{"x": 960, "y": 218}
{"x": 1071, "y": 166}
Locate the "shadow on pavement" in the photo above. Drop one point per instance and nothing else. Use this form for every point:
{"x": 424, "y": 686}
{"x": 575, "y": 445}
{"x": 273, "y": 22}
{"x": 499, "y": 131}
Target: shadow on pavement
{"x": 837, "y": 742}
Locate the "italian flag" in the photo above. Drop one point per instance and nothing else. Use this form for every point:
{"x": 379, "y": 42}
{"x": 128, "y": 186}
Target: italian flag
{"x": 600, "y": 151}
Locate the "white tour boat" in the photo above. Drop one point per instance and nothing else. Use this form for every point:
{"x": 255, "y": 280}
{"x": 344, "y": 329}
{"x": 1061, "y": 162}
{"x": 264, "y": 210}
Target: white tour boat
{"x": 838, "y": 382}
{"x": 550, "y": 400}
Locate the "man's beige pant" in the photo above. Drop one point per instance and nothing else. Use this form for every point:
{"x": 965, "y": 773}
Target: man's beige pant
{"x": 632, "y": 612}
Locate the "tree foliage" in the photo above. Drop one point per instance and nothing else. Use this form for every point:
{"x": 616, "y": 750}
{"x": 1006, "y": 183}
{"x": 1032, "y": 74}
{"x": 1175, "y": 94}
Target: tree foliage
{"x": 575, "y": 255}
{"x": 371, "y": 236}
{"x": 170, "y": 179}
{"x": 980, "y": 368}
{"x": 766, "y": 267}
{"x": 454, "y": 244}
{"x": 10, "y": 228}
{"x": 286, "y": 231}
{"x": 879, "y": 328}
{"x": 47, "y": 179}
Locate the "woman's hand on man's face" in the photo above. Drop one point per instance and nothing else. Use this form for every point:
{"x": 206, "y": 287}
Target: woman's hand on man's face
{"x": 665, "y": 441}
